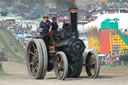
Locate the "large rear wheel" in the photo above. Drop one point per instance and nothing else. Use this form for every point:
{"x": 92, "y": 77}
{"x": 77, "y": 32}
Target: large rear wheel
{"x": 45, "y": 57}
{"x": 61, "y": 65}
{"x": 35, "y": 60}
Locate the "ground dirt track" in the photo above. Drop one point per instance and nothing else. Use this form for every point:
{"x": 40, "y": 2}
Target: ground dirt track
{"x": 19, "y": 76}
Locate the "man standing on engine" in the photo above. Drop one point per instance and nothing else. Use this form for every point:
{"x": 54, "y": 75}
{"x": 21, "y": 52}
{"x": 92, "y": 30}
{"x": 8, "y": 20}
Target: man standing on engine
{"x": 45, "y": 25}
{"x": 54, "y": 24}
{"x": 46, "y": 28}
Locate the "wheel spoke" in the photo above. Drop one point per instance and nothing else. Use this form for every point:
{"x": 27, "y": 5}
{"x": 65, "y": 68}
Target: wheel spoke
{"x": 93, "y": 71}
{"x": 93, "y": 62}
{"x": 33, "y": 46}
{"x": 31, "y": 63}
{"x": 62, "y": 67}
{"x": 60, "y": 59}
{"x": 60, "y": 73}
{"x": 57, "y": 60}
{"x": 59, "y": 66}
{"x": 31, "y": 53}
{"x": 33, "y": 70}
{"x": 36, "y": 52}
{"x": 61, "y": 62}
{"x": 34, "y": 58}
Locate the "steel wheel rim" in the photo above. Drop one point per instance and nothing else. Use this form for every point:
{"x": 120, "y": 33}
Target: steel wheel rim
{"x": 59, "y": 66}
{"x": 33, "y": 59}
{"x": 92, "y": 65}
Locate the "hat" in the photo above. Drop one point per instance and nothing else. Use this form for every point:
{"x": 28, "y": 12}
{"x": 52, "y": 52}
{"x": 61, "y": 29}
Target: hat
{"x": 54, "y": 18}
{"x": 45, "y": 17}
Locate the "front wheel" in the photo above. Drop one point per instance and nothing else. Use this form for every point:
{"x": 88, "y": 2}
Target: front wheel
{"x": 92, "y": 65}
{"x": 61, "y": 65}
{"x": 75, "y": 68}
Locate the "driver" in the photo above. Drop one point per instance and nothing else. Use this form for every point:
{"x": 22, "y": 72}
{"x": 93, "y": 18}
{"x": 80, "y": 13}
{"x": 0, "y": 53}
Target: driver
{"x": 45, "y": 28}
{"x": 45, "y": 25}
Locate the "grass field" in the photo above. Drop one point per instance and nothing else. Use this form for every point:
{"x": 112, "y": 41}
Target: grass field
{"x": 6, "y": 47}
{"x": 5, "y": 38}
{"x": 15, "y": 41}
{"x": 4, "y": 74}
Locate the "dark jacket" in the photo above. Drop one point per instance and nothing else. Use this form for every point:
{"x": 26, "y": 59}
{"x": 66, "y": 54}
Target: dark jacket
{"x": 46, "y": 25}
{"x": 54, "y": 26}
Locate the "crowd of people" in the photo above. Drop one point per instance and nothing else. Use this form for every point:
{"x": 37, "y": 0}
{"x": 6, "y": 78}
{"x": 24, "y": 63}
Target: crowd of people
{"x": 109, "y": 59}
{"x": 17, "y": 28}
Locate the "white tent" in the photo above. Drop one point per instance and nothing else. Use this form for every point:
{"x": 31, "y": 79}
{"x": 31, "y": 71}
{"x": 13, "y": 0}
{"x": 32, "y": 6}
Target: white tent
{"x": 123, "y": 20}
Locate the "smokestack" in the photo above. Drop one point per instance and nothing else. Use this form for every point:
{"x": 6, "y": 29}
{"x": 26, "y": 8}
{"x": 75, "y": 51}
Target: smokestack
{"x": 73, "y": 15}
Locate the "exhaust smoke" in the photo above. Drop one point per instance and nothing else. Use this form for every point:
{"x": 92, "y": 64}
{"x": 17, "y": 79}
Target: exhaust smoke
{"x": 66, "y": 3}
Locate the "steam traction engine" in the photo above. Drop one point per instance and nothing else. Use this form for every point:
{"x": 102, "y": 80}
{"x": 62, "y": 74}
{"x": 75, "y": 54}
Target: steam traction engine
{"x": 65, "y": 56}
